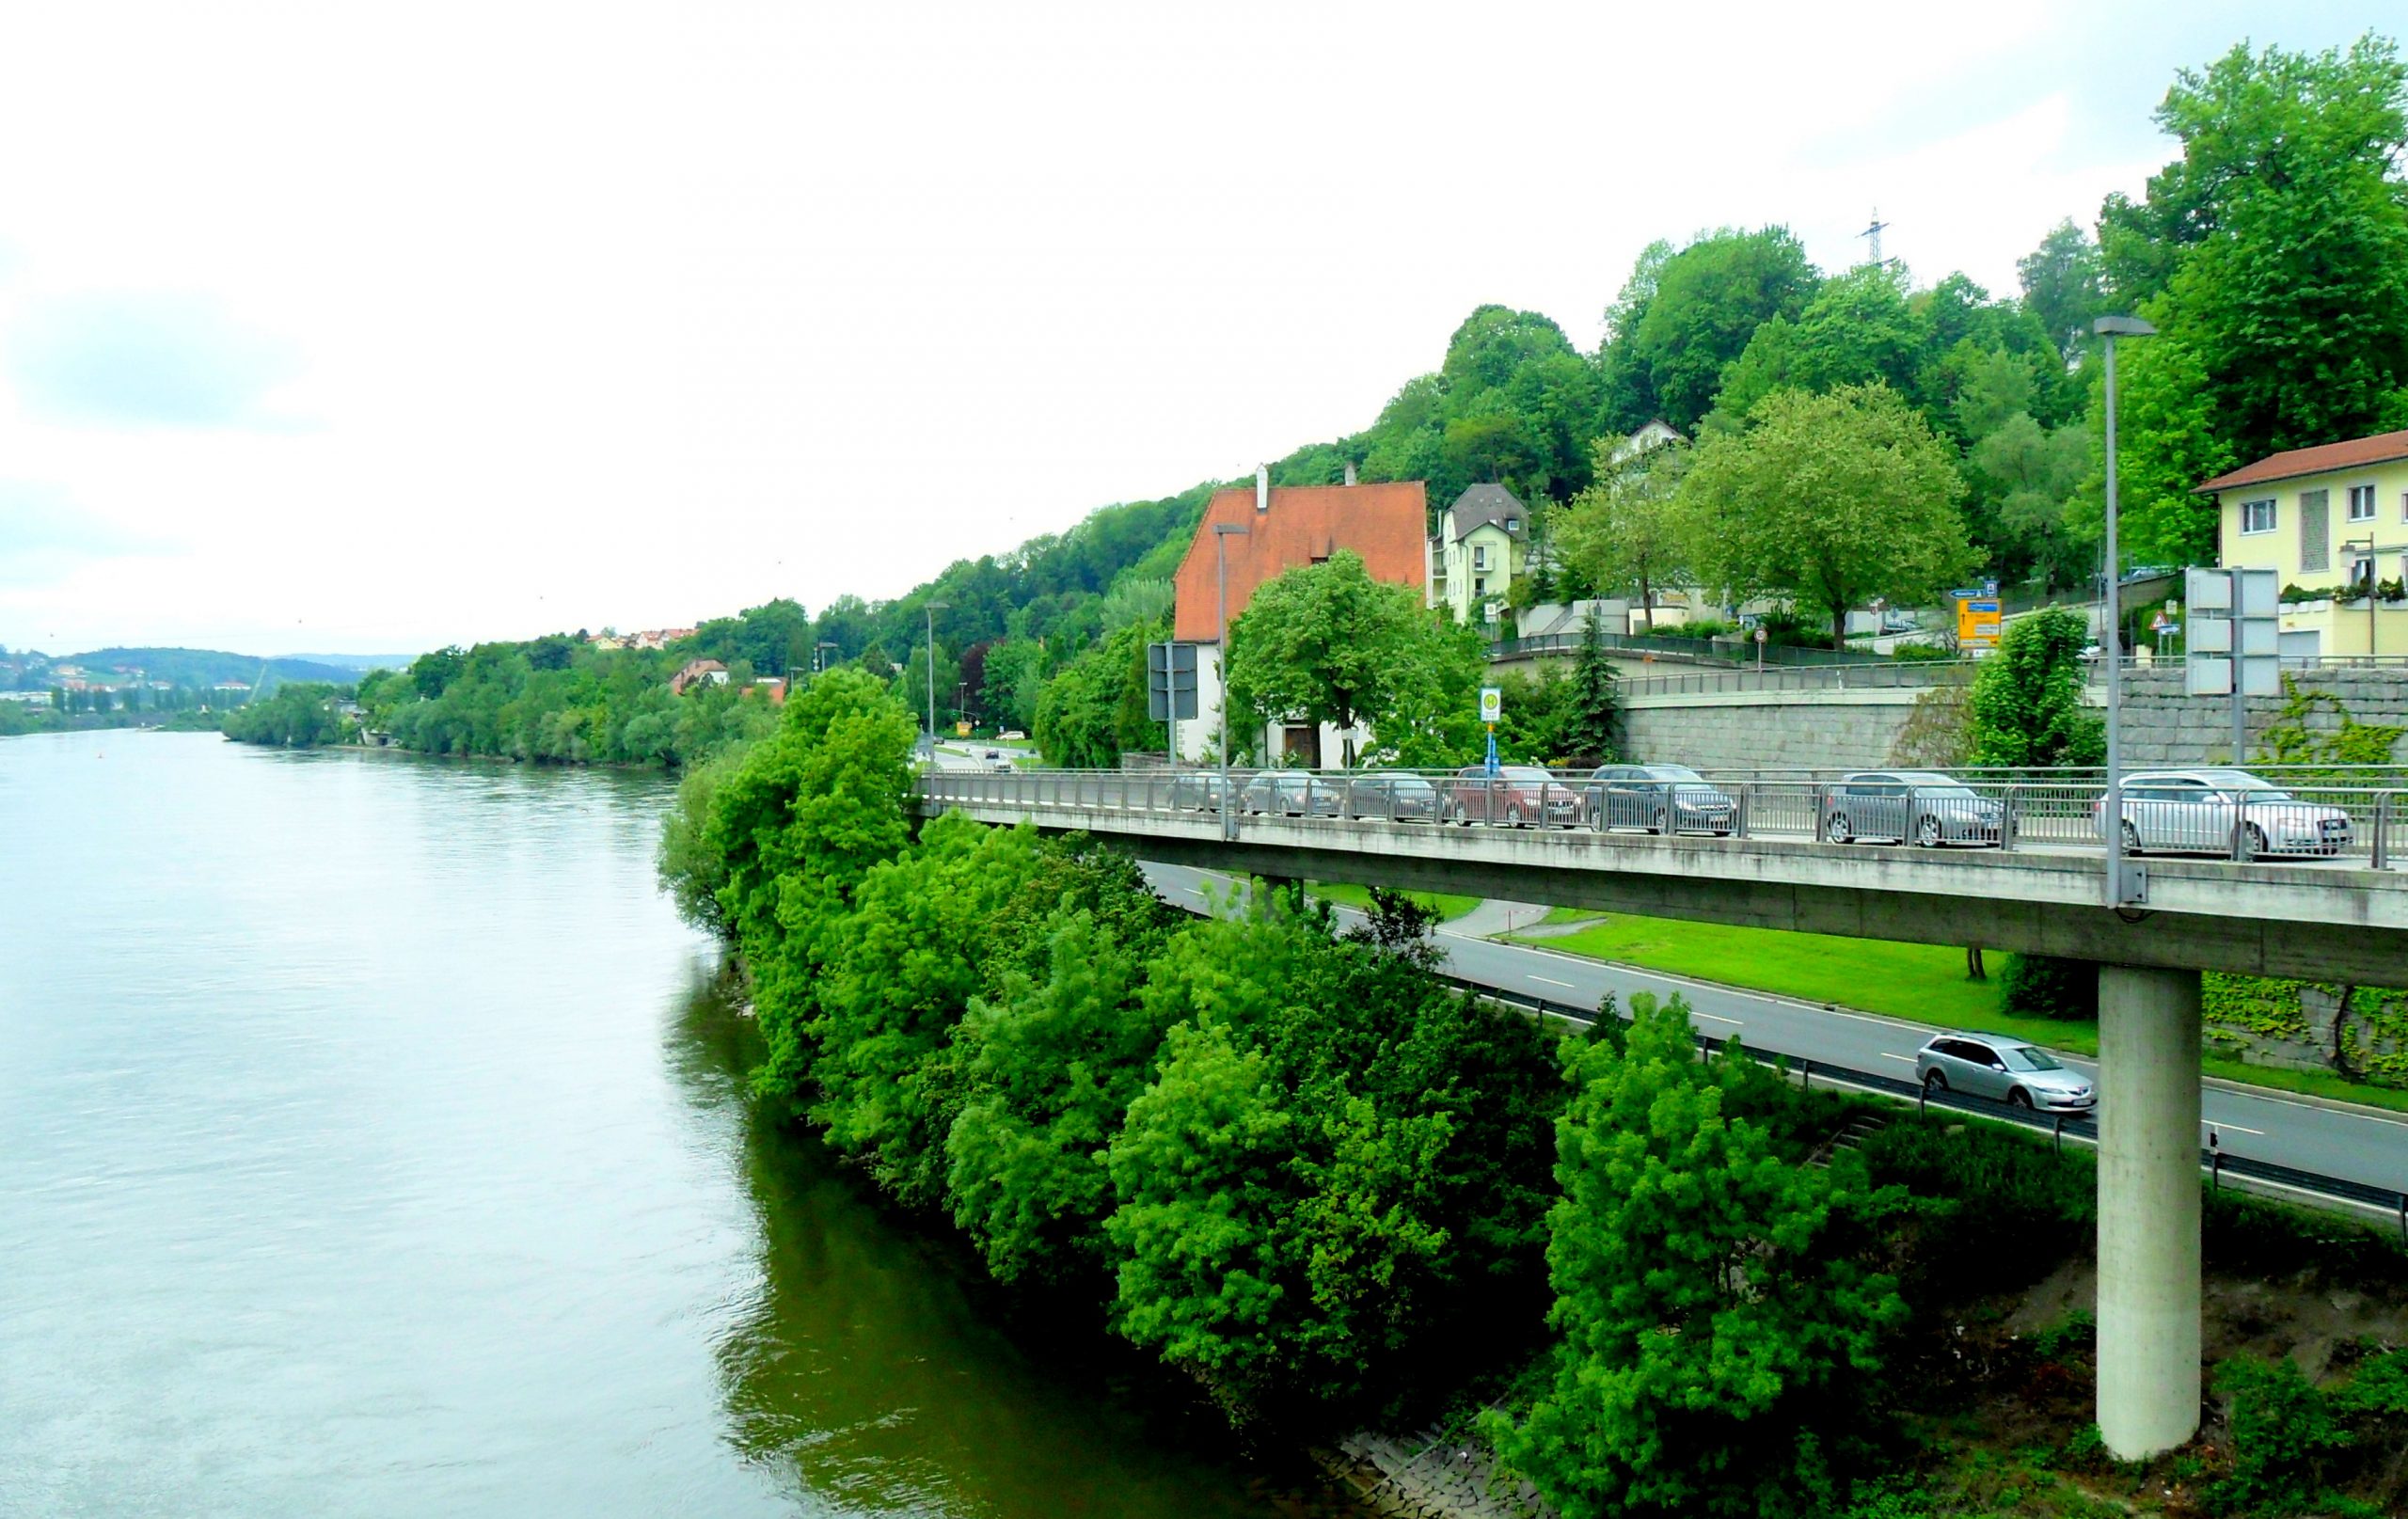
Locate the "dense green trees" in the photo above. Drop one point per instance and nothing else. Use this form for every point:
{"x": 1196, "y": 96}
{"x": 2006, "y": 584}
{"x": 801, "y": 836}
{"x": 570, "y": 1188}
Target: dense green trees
{"x": 300, "y": 715}
{"x": 2026, "y": 707}
{"x": 1686, "y": 315}
{"x": 1625, "y": 532}
{"x": 1722, "y": 1321}
{"x": 1095, "y": 706}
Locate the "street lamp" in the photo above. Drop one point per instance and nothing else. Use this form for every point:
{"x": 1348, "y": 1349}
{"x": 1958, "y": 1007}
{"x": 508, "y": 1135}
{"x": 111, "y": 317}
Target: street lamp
{"x": 1221, "y": 534}
{"x": 819, "y": 653}
{"x": 2123, "y": 886}
{"x": 932, "y": 608}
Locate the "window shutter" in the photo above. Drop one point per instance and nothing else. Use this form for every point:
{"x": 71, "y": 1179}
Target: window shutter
{"x": 2314, "y": 532}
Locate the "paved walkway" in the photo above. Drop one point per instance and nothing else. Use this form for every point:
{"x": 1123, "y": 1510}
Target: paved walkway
{"x": 1492, "y": 918}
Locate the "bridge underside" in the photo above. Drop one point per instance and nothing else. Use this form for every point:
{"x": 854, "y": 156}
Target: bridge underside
{"x": 2204, "y": 915}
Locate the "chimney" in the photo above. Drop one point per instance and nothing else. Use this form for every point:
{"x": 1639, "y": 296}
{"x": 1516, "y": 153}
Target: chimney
{"x": 1262, "y": 487}
{"x": 1350, "y": 471}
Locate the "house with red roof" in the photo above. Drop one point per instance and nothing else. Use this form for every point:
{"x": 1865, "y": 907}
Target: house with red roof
{"x": 2332, "y": 522}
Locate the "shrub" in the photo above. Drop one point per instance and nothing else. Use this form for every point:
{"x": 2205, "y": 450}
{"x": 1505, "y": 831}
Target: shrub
{"x": 2044, "y": 985}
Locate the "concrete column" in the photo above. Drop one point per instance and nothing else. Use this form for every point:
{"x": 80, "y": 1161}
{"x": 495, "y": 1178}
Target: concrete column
{"x": 2148, "y": 1209}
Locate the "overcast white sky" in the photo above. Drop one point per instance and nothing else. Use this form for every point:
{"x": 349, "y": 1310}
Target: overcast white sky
{"x": 368, "y": 329}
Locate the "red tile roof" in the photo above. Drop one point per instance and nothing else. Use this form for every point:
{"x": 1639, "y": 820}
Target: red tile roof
{"x": 1384, "y": 523}
{"x": 2381, "y": 448}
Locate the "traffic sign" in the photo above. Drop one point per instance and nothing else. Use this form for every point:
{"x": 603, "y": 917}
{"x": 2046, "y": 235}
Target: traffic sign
{"x": 1170, "y": 681}
{"x": 1492, "y": 704}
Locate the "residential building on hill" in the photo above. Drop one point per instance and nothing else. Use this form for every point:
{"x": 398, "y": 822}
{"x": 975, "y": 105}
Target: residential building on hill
{"x": 697, "y": 671}
{"x": 2331, "y": 521}
{"x": 1286, "y": 527}
{"x": 1483, "y": 542}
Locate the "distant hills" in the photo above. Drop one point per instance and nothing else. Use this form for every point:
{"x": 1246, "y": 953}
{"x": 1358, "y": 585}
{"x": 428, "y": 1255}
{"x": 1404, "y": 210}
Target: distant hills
{"x": 358, "y": 663}
{"x": 204, "y": 667}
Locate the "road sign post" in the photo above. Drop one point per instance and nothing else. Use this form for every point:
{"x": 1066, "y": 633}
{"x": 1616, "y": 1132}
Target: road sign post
{"x": 1170, "y": 687}
{"x": 2235, "y": 635}
{"x": 1491, "y": 709}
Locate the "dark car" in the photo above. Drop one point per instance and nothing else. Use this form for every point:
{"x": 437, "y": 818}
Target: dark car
{"x": 1929, "y": 808}
{"x": 1517, "y": 795}
{"x": 1404, "y": 799}
{"x": 1196, "y": 791}
{"x": 1292, "y": 794}
{"x": 1661, "y": 798}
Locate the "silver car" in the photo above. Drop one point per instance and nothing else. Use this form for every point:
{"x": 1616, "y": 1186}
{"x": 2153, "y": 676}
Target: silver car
{"x": 2213, "y": 811}
{"x": 2005, "y": 1070}
{"x": 1925, "y": 806}
{"x": 1398, "y": 797}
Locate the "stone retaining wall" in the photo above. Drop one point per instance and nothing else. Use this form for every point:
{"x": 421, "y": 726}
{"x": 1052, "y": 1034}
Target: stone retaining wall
{"x": 2161, "y": 726}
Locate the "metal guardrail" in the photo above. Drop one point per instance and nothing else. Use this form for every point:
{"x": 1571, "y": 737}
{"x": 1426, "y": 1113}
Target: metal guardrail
{"x": 2360, "y": 826}
{"x": 2216, "y": 1160}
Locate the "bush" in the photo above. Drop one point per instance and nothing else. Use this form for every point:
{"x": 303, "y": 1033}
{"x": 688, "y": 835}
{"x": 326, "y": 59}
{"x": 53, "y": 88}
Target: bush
{"x": 1921, "y": 654}
{"x": 2043, "y": 986}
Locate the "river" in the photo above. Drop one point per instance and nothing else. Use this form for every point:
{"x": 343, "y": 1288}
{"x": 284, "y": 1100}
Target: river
{"x": 372, "y": 1142}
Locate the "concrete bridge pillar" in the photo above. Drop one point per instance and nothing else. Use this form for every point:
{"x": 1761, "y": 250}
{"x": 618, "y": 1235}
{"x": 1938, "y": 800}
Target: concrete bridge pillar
{"x": 2148, "y": 1209}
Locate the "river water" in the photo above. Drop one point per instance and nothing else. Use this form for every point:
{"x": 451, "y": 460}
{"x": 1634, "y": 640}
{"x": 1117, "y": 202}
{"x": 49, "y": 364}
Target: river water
{"x": 372, "y": 1142}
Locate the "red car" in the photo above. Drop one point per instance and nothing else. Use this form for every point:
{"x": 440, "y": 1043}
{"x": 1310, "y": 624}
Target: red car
{"x": 1517, "y": 795}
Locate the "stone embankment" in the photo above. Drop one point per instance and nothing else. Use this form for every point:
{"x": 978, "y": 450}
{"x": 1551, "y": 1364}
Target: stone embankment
{"x": 1432, "y": 1475}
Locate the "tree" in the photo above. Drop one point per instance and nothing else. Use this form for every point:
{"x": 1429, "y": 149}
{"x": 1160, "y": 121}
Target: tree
{"x": 1592, "y": 729}
{"x": 1707, "y": 302}
{"x": 1096, "y": 707}
{"x": 1857, "y": 329}
{"x": 2026, "y": 709}
{"x": 433, "y": 674}
{"x": 1626, "y": 530}
{"x": 1721, "y": 1327}
{"x": 1326, "y": 643}
{"x": 1830, "y": 499}
{"x": 2063, "y": 285}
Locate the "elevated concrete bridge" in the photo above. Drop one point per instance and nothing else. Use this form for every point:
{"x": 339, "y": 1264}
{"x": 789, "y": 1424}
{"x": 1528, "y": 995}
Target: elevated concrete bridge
{"x": 2311, "y": 919}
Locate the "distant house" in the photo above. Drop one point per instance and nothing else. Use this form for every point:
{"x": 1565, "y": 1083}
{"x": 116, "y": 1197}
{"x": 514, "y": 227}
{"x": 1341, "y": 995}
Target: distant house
{"x": 1483, "y": 544}
{"x": 697, "y": 671}
{"x": 658, "y": 638}
{"x": 772, "y": 686}
{"x": 606, "y": 642}
{"x": 1287, "y": 527}
{"x": 2331, "y": 521}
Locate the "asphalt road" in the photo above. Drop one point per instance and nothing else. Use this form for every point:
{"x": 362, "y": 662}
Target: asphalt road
{"x": 2358, "y": 1147}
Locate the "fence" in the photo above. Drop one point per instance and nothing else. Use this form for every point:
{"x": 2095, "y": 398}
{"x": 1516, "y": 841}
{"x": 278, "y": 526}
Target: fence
{"x": 2320, "y": 824}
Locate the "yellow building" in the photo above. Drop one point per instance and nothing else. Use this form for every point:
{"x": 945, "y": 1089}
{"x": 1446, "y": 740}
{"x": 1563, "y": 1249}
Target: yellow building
{"x": 2331, "y": 521}
{"x": 1483, "y": 544}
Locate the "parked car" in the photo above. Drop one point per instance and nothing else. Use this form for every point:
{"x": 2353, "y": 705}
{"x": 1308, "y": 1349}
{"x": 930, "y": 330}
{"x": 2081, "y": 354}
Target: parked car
{"x": 1392, "y": 794}
{"x": 1196, "y": 791}
{"x": 2006, "y": 1070}
{"x": 1517, "y": 795}
{"x": 1661, "y": 798}
{"x": 1292, "y": 794}
{"x": 2196, "y": 811}
{"x": 1925, "y": 806}
{"x": 1899, "y": 622}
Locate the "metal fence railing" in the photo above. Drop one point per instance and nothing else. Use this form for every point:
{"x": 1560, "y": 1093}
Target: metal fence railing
{"x": 2163, "y": 813}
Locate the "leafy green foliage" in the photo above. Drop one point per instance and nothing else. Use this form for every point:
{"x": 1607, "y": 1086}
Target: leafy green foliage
{"x": 1695, "y": 315}
{"x": 2048, "y": 986}
{"x": 1626, "y": 530}
{"x": 1720, "y": 1326}
{"x": 1095, "y": 708}
{"x": 1828, "y": 499}
{"x": 301, "y": 715}
{"x": 2026, "y": 709}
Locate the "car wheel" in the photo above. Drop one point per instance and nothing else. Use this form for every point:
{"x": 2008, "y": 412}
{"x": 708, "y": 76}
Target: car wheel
{"x": 1663, "y": 823}
{"x": 1838, "y": 828}
{"x": 1514, "y": 819}
{"x": 2132, "y": 839}
{"x": 2253, "y": 841}
{"x": 1453, "y": 812}
{"x": 1928, "y": 831}
{"x": 1934, "y": 1081}
{"x": 2020, "y": 1098}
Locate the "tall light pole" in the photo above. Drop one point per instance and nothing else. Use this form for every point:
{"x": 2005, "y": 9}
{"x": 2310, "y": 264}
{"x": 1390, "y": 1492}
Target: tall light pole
{"x": 819, "y": 654}
{"x": 932, "y": 608}
{"x": 1221, "y": 534}
{"x": 2122, "y": 891}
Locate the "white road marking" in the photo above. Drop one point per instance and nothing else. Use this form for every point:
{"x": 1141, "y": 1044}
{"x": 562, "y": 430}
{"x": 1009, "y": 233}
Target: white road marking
{"x": 2211, "y": 1123}
{"x": 1887, "y": 1055}
{"x": 1552, "y": 982}
{"x": 1717, "y": 1017}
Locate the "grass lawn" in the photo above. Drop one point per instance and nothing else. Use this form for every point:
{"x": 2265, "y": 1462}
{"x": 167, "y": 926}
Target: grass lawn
{"x": 1924, "y": 982}
{"x": 1445, "y": 903}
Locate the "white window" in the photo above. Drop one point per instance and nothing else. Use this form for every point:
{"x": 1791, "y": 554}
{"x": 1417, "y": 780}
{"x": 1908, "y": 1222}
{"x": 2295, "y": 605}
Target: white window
{"x": 2257, "y": 516}
{"x": 1480, "y": 556}
{"x": 2362, "y": 503}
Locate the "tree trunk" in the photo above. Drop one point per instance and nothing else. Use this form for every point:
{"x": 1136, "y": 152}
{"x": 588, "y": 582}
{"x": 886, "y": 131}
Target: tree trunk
{"x": 1647, "y": 602}
{"x": 1839, "y": 628}
{"x": 1974, "y": 968}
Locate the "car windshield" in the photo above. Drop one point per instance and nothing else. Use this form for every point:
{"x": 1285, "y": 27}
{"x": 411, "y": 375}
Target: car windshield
{"x": 2242, "y": 780}
{"x": 1528, "y": 775}
{"x": 1932, "y": 785}
{"x": 2024, "y": 1058}
{"x": 1673, "y": 772}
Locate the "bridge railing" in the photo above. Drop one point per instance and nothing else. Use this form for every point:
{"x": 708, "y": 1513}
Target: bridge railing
{"x": 2360, "y": 826}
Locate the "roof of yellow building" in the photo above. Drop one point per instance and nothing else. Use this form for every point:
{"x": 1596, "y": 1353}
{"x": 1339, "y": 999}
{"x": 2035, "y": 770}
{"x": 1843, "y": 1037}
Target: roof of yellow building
{"x": 2381, "y": 448}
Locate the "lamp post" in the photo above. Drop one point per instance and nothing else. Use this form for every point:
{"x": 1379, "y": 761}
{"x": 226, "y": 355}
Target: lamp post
{"x": 2368, "y": 544}
{"x": 819, "y": 654}
{"x": 932, "y": 608}
{"x": 2122, "y": 890}
{"x": 1221, "y": 534}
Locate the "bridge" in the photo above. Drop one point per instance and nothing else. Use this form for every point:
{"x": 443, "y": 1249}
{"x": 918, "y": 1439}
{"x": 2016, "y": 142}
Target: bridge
{"x": 2343, "y": 918}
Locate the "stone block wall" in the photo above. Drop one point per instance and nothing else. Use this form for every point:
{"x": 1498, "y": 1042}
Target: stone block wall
{"x": 2161, "y": 726}
{"x": 1767, "y": 730}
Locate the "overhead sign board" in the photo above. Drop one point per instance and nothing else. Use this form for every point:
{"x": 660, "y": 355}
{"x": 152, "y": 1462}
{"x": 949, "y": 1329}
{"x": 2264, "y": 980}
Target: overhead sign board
{"x": 1170, "y": 681}
{"x": 2235, "y": 633}
{"x": 1977, "y": 620}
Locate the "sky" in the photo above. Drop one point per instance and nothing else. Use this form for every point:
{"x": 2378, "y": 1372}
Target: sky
{"x": 367, "y": 329}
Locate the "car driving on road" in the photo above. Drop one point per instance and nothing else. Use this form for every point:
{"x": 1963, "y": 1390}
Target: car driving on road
{"x": 2006, "y": 1070}
{"x": 1661, "y": 798}
{"x": 2217, "y": 811}
{"x": 1924, "y": 806}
